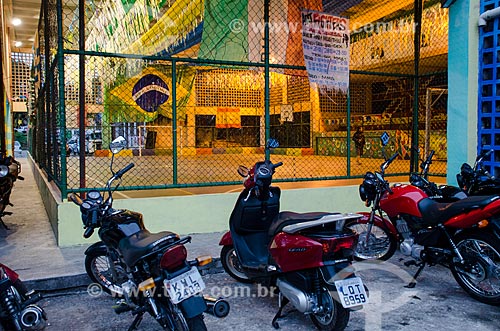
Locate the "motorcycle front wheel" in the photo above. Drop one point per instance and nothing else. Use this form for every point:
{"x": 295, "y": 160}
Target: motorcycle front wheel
{"x": 99, "y": 270}
{"x": 479, "y": 276}
{"x": 381, "y": 244}
{"x": 232, "y": 265}
{"x": 334, "y": 317}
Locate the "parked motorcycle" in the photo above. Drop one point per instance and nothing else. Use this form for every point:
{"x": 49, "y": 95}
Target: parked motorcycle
{"x": 306, "y": 256}
{"x": 9, "y": 173}
{"x": 477, "y": 180}
{"x": 441, "y": 193}
{"x": 461, "y": 235}
{"x": 18, "y": 309}
{"x": 150, "y": 271}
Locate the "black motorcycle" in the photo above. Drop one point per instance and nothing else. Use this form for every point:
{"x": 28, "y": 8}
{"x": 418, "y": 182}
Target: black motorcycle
{"x": 477, "y": 180}
{"x": 440, "y": 193}
{"x": 150, "y": 271}
{"x": 18, "y": 309}
{"x": 9, "y": 173}
{"x": 471, "y": 181}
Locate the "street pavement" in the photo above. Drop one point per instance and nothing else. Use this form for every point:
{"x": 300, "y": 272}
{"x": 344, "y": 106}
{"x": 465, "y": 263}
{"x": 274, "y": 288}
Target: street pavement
{"x": 436, "y": 303}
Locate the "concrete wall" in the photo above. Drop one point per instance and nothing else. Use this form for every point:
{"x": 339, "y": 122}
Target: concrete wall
{"x": 206, "y": 213}
{"x": 50, "y": 196}
{"x": 463, "y": 64}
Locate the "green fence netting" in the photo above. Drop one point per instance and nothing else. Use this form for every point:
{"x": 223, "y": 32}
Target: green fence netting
{"x": 197, "y": 86}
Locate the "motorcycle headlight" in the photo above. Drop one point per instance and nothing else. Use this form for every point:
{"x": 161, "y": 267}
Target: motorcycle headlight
{"x": 368, "y": 189}
{"x": 4, "y": 170}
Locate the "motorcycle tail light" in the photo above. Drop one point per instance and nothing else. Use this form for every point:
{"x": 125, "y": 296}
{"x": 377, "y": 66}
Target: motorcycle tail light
{"x": 173, "y": 257}
{"x": 334, "y": 245}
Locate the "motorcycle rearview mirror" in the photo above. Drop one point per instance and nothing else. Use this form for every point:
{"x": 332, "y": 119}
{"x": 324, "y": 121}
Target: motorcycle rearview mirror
{"x": 243, "y": 171}
{"x": 118, "y": 145}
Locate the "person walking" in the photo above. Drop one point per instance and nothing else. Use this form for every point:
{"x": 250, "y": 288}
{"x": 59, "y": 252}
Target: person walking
{"x": 359, "y": 143}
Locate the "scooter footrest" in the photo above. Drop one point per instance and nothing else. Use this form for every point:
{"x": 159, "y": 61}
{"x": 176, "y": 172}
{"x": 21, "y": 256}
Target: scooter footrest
{"x": 121, "y": 308}
{"x": 260, "y": 268}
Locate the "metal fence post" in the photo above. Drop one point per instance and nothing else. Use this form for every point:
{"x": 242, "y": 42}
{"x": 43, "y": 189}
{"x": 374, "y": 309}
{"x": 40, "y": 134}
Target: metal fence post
{"x": 62, "y": 111}
{"x": 174, "y": 123}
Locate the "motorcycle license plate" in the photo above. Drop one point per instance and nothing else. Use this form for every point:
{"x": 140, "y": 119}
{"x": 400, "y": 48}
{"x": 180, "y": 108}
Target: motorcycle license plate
{"x": 351, "y": 292}
{"x": 184, "y": 286}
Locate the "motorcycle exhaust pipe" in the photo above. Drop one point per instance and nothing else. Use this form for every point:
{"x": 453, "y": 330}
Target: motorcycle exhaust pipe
{"x": 217, "y": 307}
{"x": 33, "y": 318}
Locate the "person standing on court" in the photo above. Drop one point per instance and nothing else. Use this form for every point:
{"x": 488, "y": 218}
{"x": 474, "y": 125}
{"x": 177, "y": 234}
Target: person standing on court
{"x": 359, "y": 143}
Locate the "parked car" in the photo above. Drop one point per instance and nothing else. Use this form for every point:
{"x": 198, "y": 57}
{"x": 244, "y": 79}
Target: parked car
{"x": 22, "y": 129}
{"x": 73, "y": 146}
{"x": 17, "y": 147}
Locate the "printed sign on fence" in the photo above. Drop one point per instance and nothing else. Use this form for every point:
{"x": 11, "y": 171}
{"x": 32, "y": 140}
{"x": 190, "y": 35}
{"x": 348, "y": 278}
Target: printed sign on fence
{"x": 325, "y": 39}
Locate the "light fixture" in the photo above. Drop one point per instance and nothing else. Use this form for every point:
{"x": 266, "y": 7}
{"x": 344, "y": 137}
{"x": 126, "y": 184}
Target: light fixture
{"x": 16, "y": 21}
{"x": 18, "y": 43}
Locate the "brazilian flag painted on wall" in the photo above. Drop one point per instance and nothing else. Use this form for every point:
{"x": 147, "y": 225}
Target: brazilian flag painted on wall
{"x": 143, "y": 97}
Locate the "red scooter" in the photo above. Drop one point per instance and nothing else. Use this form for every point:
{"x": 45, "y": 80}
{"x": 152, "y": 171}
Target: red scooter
{"x": 306, "y": 256}
{"x": 462, "y": 235}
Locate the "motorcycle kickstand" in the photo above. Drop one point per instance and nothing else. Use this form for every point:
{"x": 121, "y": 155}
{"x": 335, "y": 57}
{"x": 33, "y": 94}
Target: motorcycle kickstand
{"x": 413, "y": 283}
{"x": 136, "y": 322}
{"x": 283, "y": 301}
{"x": 2, "y": 223}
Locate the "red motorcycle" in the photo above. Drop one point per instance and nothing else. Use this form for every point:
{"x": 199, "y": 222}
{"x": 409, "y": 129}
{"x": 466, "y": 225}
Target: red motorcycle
{"x": 306, "y": 256}
{"x": 462, "y": 235}
{"x": 18, "y": 311}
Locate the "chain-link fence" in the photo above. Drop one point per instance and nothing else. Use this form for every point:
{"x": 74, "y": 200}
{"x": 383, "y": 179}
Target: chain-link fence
{"x": 197, "y": 86}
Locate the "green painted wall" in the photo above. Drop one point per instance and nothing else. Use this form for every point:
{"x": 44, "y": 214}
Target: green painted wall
{"x": 206, "y": 213}
{"x": 463, "y": 64}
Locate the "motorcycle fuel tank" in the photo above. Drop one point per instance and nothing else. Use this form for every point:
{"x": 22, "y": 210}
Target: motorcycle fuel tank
{"x": 402, "y": 200}
{"x": 123, "y": 223}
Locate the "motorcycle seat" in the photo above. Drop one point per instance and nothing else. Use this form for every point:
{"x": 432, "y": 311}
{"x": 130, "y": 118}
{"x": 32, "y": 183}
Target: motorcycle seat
{"x": 134, "y": 247}
{"x": 289, "y": 218}
{"x": 436, "y": 212}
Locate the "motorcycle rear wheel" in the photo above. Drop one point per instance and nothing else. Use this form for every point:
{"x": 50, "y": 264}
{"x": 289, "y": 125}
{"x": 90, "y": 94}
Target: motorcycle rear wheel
{"x": 479, "y": 276}
{"x": 98, "y": 269}
{"x": 232, "y": 265}
{"x": 335, "y": 318}
{"x": 381, "y": 243}
{"x": 182, "y": 323}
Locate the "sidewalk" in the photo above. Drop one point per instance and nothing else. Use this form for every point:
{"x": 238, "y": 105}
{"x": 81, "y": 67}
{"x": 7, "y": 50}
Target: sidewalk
{"x": 29, "y": 247}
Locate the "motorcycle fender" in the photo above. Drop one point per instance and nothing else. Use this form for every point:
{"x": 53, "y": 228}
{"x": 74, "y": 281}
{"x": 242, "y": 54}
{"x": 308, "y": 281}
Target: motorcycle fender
{"x": 13, "y": 276}
{"x": 193, "y": 306}
{"x": 335, "y": 271}
{"x": 226, "y": 239}
{"x": 96, "y": 247}
{"x": 379, "y": 221}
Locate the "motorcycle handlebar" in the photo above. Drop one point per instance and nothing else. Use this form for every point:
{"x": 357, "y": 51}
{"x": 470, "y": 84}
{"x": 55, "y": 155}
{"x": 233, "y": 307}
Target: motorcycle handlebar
{"x": 388, "y": 162}
{"x": 88, "y": 232}
{"x": 121, "y": 172}
{"x": 279, "y": 164}
{"x": 76, "y": 199}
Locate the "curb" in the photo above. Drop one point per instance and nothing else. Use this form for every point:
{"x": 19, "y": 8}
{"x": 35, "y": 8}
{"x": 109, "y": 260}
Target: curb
{"x": 53, "y": 284}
